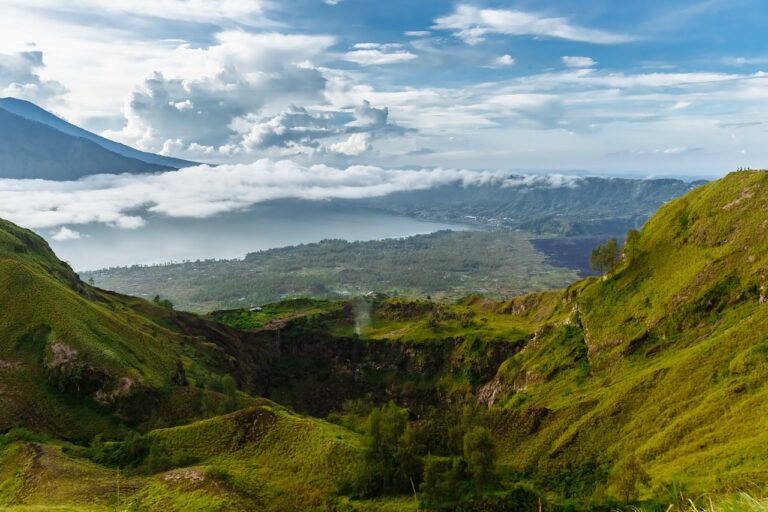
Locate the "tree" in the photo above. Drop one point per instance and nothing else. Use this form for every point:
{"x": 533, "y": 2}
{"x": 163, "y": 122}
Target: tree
{"x": 630, "y": 245}
{"x": 389, "y": 450}
{"x": 163, "y": 303}
{"x": 408, "y": 455}
{"x": 627, "y": 476}
{"x": 480, "y": 456}
{"x": 443, "y": 480}
{"x": 606, "y": 257}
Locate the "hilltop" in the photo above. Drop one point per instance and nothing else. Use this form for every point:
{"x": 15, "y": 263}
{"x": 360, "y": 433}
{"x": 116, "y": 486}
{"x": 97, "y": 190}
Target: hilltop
{"x": 647, "y": 383}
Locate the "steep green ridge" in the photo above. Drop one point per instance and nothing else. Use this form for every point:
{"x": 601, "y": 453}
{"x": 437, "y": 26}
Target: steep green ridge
{"x": 76, "y": 361}
{"x": 665, "y": 359}
{"x": 657, "y": 370}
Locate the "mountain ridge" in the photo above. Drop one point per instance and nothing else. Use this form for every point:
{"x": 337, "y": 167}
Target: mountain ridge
{"x": 35, "y": 144}
{"x": 32, "y": 112}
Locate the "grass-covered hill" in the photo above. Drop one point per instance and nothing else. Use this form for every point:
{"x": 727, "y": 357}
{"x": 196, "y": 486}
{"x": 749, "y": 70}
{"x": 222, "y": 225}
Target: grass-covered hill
{"x": 647, "y": 385}
{"x": 665, "y": 359}
{"x": 661, "y": 362}
{"x": 76, "y": 361}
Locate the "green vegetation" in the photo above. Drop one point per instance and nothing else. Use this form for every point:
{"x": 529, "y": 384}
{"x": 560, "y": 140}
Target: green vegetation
{"x": 606, "y": 257}
{"x": 445, "y": 266}
{"x": 642, "y": 390}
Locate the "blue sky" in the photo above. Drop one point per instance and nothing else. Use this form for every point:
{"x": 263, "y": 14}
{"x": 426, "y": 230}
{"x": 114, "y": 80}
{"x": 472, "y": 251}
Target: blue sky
{"x": 649, "y": 87}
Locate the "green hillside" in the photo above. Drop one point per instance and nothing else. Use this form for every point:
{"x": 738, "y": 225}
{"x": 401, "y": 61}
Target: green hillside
{"x": 646, "y": 387}
{"x": 76, "y": 361}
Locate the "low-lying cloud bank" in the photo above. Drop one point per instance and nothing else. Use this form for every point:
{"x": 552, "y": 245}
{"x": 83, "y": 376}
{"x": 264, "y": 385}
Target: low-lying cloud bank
{"x": 197, "y": 192}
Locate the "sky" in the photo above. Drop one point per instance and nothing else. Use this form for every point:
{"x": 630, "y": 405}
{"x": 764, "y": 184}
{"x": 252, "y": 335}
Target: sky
{"x": 658, "y": 87}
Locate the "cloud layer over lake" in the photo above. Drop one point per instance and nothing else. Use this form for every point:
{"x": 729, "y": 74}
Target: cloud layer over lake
{"x": 197, "y": 192}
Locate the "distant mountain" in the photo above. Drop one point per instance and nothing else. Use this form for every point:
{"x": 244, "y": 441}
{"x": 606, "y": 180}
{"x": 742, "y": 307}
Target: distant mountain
{"x": 32, "y": 112}
{"x": 32, "y": 150}
{"x": 542, "y": 204}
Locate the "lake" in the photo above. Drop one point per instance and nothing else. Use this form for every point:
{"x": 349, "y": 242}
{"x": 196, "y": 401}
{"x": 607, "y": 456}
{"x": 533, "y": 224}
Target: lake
{"x": 232, "y": 235}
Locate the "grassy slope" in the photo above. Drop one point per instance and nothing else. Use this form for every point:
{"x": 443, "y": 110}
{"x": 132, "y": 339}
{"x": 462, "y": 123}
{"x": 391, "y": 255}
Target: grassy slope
{"x": 274, "y": 459}
{"x": 263, "y": 458}
{"x": 666, "y": 359}
{"x": 70, "y": 354}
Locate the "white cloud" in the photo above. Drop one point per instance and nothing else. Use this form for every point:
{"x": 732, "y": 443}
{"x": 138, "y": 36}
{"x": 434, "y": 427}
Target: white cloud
{"x": 295, "y": 126}
{"x": 375, "y": 54}
{"x": 19, "y": 78}
{"x": 239, "y": 76}
{"x": 578, "y": 62}
{"x": 355, "y": 145}
{"x": 680, "y": 105}
{"x": 182, "y": 105}
{"x": 300, "y": 131}
{"x": 366, "y": 115}
{"x": 203, "y": 191}
{"x": 188, "y": 10}
{"x": 64, "y": 234}
{"x": 503, "y": 61}
{"x": 473, "y": 24}
{"x": 745, "y": 61}
{"x": 669, "y": 151}
{"x": 418, "y": 33}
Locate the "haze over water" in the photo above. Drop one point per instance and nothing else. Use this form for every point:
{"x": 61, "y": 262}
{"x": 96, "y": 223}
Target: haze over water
{"x": 232, "y": 235}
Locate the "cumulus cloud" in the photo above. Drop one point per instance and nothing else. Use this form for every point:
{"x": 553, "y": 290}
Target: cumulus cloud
{"x": 238, "y": 76}
{"x": 19, "y": 78}
{"x": 578, "y": 62}
{"x": 473, "y": 24}
{"x": 64, "y": 234}
{"x": 203, "y": 191}
{"x": 294, "y": 126}
{"x": 366, "y": 115}
{"x": 355, "y": 145}
{"x": 375, "y": 54}
{"x": 303, "y": 130}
